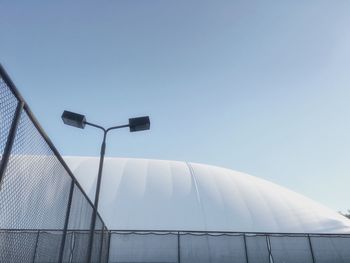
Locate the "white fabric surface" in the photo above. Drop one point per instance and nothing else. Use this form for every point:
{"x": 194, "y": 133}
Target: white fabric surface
{"x": 140, "y": 194}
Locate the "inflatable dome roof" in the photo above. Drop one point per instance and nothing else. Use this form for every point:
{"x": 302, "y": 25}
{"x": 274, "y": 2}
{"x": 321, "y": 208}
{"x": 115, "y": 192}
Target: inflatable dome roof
{"x": 140, "y": 194}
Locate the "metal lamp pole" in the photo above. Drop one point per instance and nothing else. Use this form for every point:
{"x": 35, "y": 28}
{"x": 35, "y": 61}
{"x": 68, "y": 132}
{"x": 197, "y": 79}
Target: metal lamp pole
{"x": 98, "y": 185}
{"x": 79, "y": 121}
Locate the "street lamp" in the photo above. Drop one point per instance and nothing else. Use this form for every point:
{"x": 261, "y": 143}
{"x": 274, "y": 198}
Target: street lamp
{"x": 79, "y": 121}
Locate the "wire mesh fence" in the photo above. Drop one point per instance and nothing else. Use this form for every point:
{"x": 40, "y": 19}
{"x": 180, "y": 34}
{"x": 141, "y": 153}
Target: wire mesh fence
{"x": 189, "y": 247}
{"x": 44, "y": 213}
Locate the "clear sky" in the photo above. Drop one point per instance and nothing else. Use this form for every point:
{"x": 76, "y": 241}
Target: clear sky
{"x": 261, "y": 87}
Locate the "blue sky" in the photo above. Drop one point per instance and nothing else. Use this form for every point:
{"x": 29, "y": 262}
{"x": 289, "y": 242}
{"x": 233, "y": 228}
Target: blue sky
{"x": 256, "y": 86}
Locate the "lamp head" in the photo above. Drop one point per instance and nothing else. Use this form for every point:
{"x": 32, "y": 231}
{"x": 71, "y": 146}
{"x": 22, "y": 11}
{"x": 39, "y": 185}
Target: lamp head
{"x": 139, "y": 124}
{"x": 73, "y": 119}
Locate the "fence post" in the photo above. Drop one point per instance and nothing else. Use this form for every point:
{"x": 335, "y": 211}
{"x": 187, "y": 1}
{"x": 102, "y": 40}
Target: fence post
{"x": 312, "y": 251}
{"x": 36, "y": 245}
{"x": 269, "y": 248}
{"x": 101, "y": 245}
{"x": 178, "y": 248}
{"x": 64, "y": 234}
{"x": 109, "y": 243}
{"x": 245, "y": 248}
{"x": 10, "y": 139}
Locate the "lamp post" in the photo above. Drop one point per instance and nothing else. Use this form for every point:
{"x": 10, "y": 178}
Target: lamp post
{"x": 79, "y": 121}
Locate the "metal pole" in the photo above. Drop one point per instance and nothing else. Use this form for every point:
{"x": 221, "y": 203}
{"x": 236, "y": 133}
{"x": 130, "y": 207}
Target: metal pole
{"x": 64, "y": 235}
{"x": 36, "y": 245}
{"x": 178, "y": 248}
{"x": 312, "y": 251}
{"x": 97, "y": 194}
{"x": 245, "y": 248}
{"x": 101, "y": 244}
{"x": 269, "y": 248}
{"x": 72, "y": 246}
{"x": 10, "y": 139}
{"x": 109, "y": 243}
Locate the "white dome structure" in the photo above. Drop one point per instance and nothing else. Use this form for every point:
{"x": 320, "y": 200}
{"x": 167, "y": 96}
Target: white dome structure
{"x": 140, "y": 194}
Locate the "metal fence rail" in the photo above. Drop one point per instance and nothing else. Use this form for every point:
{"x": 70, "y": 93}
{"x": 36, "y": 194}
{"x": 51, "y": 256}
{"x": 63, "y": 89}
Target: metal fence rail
{"x": 221, "y": 247}
{"x": 38, "y": 191}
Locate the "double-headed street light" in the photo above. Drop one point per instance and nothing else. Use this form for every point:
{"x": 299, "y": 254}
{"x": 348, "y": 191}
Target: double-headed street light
{"x": 79, "y": 121}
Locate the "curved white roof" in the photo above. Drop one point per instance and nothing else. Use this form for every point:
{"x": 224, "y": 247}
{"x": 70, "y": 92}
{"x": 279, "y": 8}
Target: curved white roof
{"x": 139, "y": 194}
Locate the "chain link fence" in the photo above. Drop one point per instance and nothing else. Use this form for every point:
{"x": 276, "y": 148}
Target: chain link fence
{"x": 220, "y": 247}
{"x": 44, "y": 213}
